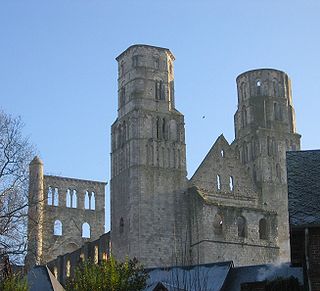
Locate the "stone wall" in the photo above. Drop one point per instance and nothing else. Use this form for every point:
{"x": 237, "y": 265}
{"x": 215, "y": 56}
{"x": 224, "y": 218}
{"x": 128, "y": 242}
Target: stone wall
{"x": 63, "y": 267}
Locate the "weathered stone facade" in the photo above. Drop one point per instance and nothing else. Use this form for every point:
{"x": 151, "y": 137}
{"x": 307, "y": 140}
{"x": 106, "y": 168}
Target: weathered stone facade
{"x": 64, "y": 213}
{"x": 235, "y": 207}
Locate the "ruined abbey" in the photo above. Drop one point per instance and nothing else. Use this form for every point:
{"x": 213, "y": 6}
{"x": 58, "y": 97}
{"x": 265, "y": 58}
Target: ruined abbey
{"x": 234, "y": 207}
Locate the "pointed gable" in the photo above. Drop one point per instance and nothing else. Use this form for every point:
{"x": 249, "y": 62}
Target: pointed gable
{"x": 222, "y": 178}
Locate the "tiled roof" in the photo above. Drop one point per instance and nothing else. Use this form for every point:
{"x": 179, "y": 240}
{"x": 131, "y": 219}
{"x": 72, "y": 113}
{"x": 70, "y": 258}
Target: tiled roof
{"x": 303, "y": 169}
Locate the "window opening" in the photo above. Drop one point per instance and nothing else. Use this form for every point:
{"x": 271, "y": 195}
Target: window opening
{"x": 104, "y": 256}
{"x": 96, "y": 254}
{"x": 258, "y": 83}
{"x": 231, "y": 185}
{"x": 241, "y": 223}
{"x": 57, "y": 228}
{"x": 263, "y": 228}
{"x": 135, "y": 61}
{"x": 68, "y": 198}
{"x": 278, "y": 171}
{"x": 92, "y": 201}
{"x": 50, "y": 196}
{"x": 121, "y": 225}
{"x": 217, "y": 224}
{"x": 56, "y": 197}
{"x": 68, "y": 268}
{"x": 86, "y": 201}
{"x": 218, "y": 182}
{"x": 222, "y": 153}
{"x": 74, "y": 199}
{"x": 86, "y": 230}
{"x": 156, "y": 63}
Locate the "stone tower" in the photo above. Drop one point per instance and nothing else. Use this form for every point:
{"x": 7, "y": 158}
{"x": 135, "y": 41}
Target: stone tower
{"x": 265, "y": 130}
{"x": 35, "y": 213}
{"x": 148, "y": 164}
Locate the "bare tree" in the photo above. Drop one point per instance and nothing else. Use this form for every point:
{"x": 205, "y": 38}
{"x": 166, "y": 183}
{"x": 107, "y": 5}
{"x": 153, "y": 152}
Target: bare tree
{"x": 15, "y": 155}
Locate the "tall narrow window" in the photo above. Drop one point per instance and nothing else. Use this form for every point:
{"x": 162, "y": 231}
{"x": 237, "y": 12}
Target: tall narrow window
{"x": 56, "y": 197}
{"x": 164, "y": 128}
{"x": 241, "y": 223}
{"x": 74, "y": 199}
{"x": 258, "y": 84}
{"x": 50, "y": 196}
{"x": 86, "y": 230}
{"x": 57, "y": 228}
{"x": 68, "y": 268}
{"x": 278, "y": 172}
{"x": 263, "y": 229}
{"x": 68, "y": 198}
{"x": 222, "y": 153}
{"x": 159, "y": 90}
{"x": 156, "y": 62}
{"x": 86, "y": 200}
{"x": 135, "y": 61}
{"x": 92, "y": 201}
{"x": 231, "y": 186}
{"x": 218, "y": 182}
{"x": 121, "y": 225}
{"x": 96, "y": 255}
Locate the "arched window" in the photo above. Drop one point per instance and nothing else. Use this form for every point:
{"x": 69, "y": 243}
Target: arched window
{"x": 231, "y": 185}
{"x": 241, "y": 224}
{"x": 218, "y": 182}
{"x": 86, "y": 230}
{"x": 121, "y": 225}
{"x": 86, "y": 201}
{"x": 74, "y": 199}
{"x": 68, "y": 268}
{"x": 258, "y": 84}
{"x": 164, "y": 128}
{"x": 263, "y": 229}
{"x": 68, "y": 198}
{"x": 50, "y": 196}
{"x": 217, "y": 224}
{"x": 57, "y": 228}
{"x": 92, "y": 201}
{"x": 56, "y": 197}
{"x": 222, "y": 153}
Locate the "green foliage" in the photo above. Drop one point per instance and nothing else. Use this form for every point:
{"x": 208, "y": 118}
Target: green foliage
{"x": 109, "y": 276}
{"x": 14, "y": 283}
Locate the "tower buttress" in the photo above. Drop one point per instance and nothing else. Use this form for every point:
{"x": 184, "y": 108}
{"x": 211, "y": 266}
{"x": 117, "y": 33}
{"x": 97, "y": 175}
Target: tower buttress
{"x": 265, "y": 129}
{"x": 148, "y": 164}
{"x": 35, "y": 213}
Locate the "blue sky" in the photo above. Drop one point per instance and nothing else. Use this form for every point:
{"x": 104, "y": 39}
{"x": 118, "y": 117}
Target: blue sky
{"x": 58, "y": 68}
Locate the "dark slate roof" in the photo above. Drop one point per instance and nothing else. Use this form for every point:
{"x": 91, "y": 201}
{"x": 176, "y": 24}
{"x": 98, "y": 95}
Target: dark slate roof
{"x": 303, "y": 169}
{"x": 192, "y": 278}
{"x": 40, "y": 278}
{"x": 259, "y": 273}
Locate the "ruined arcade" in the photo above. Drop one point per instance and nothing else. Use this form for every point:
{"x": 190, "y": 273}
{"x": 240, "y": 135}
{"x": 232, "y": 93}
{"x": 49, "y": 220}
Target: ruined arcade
{"x": 234, "y": 207}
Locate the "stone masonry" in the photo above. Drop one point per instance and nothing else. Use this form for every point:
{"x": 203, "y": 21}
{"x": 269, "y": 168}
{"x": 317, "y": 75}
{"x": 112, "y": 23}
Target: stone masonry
{"x": 235, "y": 206}
{"x": 64, "y": 213}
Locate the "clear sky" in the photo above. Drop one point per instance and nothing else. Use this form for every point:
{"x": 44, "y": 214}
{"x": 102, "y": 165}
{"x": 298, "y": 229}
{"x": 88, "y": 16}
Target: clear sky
{"x": 58, "y": 68}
